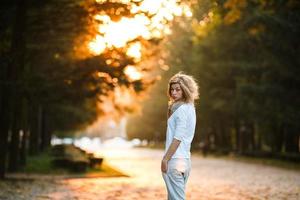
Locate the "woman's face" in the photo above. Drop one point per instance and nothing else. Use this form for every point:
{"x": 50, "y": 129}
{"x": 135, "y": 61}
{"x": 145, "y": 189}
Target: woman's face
{"x": 176, "y": 92}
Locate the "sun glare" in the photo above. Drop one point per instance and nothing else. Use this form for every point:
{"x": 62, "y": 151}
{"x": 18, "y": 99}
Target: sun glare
{"x": 118, "y": 34}
{"x": 123, "y": 96}
{"x": 98, "y": 45}
{"x": 134, "y": 51}
{"x": 122, "y": 39}
{"x": 132, "y": 73}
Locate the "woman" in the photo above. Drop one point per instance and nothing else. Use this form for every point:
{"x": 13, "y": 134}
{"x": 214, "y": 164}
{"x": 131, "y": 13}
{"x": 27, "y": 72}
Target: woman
{"x": 176, "y": 163}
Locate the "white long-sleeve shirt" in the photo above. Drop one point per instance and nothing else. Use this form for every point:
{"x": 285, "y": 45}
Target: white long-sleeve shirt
{"x": 181, "y": 126}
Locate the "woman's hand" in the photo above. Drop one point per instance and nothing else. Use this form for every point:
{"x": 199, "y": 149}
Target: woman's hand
{"x": 164, "y": 165}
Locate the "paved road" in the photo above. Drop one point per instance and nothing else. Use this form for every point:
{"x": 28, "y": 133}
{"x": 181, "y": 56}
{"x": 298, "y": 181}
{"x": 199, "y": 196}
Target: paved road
{"x": 210, "y": 179}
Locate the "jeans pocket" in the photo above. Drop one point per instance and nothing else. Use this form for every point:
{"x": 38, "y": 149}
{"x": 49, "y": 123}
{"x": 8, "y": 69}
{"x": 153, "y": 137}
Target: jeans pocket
{"x": 175, "y": 173}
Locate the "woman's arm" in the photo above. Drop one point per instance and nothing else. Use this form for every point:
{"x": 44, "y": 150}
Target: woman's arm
{"x": 180, "y": 131}
{"x": 170, "y": 152}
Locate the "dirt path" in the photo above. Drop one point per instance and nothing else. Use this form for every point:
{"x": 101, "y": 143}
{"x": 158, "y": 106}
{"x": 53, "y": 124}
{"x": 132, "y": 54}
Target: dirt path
{"x": 210, "y": 179}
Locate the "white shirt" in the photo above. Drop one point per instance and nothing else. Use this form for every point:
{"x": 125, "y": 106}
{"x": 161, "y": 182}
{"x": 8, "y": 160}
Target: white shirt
{"x": 181, "y": 126}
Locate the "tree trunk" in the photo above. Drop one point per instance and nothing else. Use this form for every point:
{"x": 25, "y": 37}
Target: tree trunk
{"x": 4, "y": 119}
{"x": 34, "y": 138}
{"x": 237, "y": 135}
{"x": 251, "y": 131}
{"x": 3, "y": 139}
{"x": 13, "y": 76}
{"x": 23, "y": 150}
{"x": 292, "y": 140}
{"x": 25, "y": 132}
{"x": 257, "y": 137}
{"x": 43, "y": 128}
{"x": 243, "y": 138}
{"x": 15, "y": 141}
{"x": 217, "y": 135}
{"x": 225, "y": 136}
{"x": 17, "y": 67}
{"x": 277, "y": 139}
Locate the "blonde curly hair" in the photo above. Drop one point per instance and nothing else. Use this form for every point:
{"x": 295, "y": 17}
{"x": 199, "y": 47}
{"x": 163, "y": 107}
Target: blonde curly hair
{"x": 188, "y": 85}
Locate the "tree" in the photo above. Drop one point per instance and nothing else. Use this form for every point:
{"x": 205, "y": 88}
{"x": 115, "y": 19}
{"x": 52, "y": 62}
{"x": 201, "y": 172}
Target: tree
{"x": 62, "y": 76}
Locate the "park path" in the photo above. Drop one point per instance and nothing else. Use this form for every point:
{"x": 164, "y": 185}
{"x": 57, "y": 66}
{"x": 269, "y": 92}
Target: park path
{"x": 210, "y": 179}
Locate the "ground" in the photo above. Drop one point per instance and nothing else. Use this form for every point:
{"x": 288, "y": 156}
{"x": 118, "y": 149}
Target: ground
{"x": 210, "y": 179}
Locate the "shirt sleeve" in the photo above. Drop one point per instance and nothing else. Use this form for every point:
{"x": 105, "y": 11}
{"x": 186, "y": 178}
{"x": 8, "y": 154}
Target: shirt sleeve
{"x": 181, "y": 124}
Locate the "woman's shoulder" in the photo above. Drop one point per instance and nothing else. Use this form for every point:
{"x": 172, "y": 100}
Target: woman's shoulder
{"x": 189, "y": 105}
{"x": 186, "y": 107}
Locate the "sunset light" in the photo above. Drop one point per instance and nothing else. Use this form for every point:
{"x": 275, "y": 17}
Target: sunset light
{"x": 132, "y": 73}
{"x": 85, "y": 110}
{"x": 123, "y": 35}
{"x": 112, "y": 34}
{"x": 117, "y": 34}
{"x": 134, "y": 51}
{"x": 98, "y": 45}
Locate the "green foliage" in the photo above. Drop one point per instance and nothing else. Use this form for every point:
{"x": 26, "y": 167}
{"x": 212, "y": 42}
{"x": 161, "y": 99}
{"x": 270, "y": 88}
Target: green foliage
{"x": 244, "y": 55}
{"x": 42, "y": 164}
{"x": 58, "y": 75}
{"x": 248, "y": 66}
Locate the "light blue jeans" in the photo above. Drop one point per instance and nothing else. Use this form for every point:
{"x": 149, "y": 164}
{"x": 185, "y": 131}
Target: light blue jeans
{"x": 176, "y": 177}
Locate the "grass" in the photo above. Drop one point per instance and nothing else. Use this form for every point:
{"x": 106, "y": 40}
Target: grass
{"x": 41, "y": 164}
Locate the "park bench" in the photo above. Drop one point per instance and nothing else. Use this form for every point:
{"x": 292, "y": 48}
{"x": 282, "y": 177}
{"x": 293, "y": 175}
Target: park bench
{"x": 73, "y": 158}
